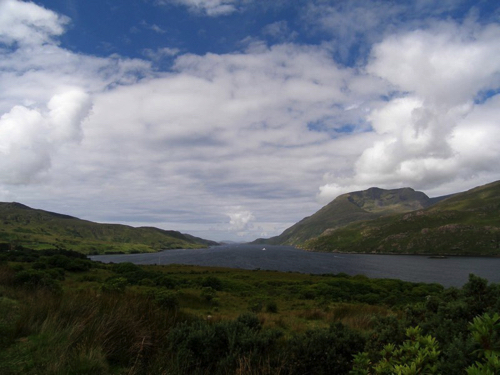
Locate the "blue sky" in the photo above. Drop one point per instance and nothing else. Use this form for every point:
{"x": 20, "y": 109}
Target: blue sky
{"x": 233, "y": 119}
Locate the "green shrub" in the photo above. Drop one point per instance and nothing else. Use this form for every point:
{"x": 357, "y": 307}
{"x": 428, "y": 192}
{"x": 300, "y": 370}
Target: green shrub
{"x": 166, "y": 299}
{"x": 417, "y": 355}
{"x": 272, "y": 307}
{"x": 218, "y": 348}
{"x": 114, "y": 285}
{"x": 34, "y": 279}
{"x": 485, "y": 331}
{"x": 212, "y": 282}
{"x": 324, "y": 351}
{"x": 251, "y": 321}
{"x": 9, "y": 312}
{"x": 208, "y": 293}
{"x": 256, "y": 305}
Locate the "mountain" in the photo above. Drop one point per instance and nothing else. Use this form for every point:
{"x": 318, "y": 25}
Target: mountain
{"x": 467, "y": 223}
{"x": 352, "y": 207}
{"x": 38, "y": 229}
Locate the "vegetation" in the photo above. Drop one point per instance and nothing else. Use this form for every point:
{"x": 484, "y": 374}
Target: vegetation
{"x": 38, "y": 229}
{"x": 63, "y": 314}
{"x": 352, "y": 207}
{"x": 465, "y": 224}
{"x": 402, "y": 221}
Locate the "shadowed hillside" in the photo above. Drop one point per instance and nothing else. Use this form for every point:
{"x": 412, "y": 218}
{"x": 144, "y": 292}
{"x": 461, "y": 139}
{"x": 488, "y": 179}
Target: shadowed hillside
{"x": 352, "y": 207}
{"x": 464, "y": 224}
{"x": 38, "y": 229}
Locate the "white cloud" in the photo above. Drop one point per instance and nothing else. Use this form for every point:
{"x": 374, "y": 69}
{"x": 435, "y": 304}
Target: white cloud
{"x": 240, "y": 220}
{"x": 28, "y": 24}
{"x": 247, "y": 136}
{"x": 28, "y": 137}
{"x": 427, "y": 132}
{"x": 46, "y": 90}
{"x": 279, "y": 30}
{"x": 160, "y": 53}
{"x": 211, "y": 8}
{"x": 447, "y": 64}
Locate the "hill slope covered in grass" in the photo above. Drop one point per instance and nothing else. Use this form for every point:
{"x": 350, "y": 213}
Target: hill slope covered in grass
{"x": 467, "y": 223}
{"x": 21, "y": 225}
{"x": 352, "y": 207}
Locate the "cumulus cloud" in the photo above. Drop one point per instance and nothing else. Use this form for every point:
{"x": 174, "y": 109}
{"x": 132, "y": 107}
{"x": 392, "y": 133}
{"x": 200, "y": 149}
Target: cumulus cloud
{"x": 427, "y": 131}
{"x": 241, "y": 140}
{"x": 356, "y": 25}
{"x": 28, "y": 137}
{"x": 46, "y": 90}
{"x": 240, "y": 220}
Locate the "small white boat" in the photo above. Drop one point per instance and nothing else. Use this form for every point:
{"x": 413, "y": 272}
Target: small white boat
{"x": 263, "y": 248}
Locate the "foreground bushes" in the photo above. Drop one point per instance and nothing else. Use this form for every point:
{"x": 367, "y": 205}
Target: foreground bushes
{"x": 132, "y": 319}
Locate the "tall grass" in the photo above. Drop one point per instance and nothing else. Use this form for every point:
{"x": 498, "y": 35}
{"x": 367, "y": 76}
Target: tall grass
{"x": 86, "y": 332}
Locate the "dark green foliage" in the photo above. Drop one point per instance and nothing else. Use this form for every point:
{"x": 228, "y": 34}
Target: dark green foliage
{"x": 445, "y": 316}
{"x": 418, "y": 354}
{"x": 271, "y": 307}
{"x": 208, "y": 293}
{"x": 485, "y": 332}
{"x": 212, "y": 282}
{"x": 324, "y": 351}
{"x": 384, "y": 330}
{"x": 118, "y": 319}
{"x": 165, "y": 281}
{"x": 34, "y": 279}
{"x": 114, "y": 284}
{"x": 255, "y": 305}
{"x": 9, "y": 313}
{"x": 216, "y": 348}
{"x": 250, "y": 321}
{"x": 166, "y": 299}
{"x": 68, "y": 264}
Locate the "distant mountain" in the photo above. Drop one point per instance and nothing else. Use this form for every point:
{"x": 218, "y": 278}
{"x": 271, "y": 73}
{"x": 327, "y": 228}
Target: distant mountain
{"x": 38, "y": 229}
{"x": 467, "y": 223}
{"x": 352, "y": 207}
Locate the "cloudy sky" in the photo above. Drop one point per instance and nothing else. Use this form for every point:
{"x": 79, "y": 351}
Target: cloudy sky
{"x": 234, "y": 119}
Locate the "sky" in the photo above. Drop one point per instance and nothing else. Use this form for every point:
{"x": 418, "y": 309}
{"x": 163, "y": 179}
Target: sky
{"x": 234, "y": 119}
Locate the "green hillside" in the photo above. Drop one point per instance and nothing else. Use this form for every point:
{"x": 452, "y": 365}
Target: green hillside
{"x": 464, "y": 224}
{"x": 21, "y": 225}
{"x": 352, "y": 207}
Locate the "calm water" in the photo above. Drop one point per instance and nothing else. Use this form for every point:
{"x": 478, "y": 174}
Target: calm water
{"x": 452, "y": 271}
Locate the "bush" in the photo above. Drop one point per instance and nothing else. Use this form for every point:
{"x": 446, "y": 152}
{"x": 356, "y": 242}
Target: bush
{"x": 485, "y": 331}
{"x": 114, "y": 285}
{"x": 166, "y": 299}
{"x": 208, "y": 294}
{"x": 324, "y": 351}
{"x": 212, "y": 282}
{"x": 34, "y": 279}
{"x": 417, "y": 355}
{"x": 272, "y": 307}
{"x": 219, "y": 348}
{"x": 255, "y": 305}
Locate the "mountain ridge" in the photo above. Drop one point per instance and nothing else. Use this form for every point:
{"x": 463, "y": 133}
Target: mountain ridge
{"x": 40, "y": 229}
{"x": 466, "y": 223}
{"x": 351, "y": 207}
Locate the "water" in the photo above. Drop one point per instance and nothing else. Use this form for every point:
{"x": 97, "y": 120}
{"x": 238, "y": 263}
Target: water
{"x": 452, "y": 271}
